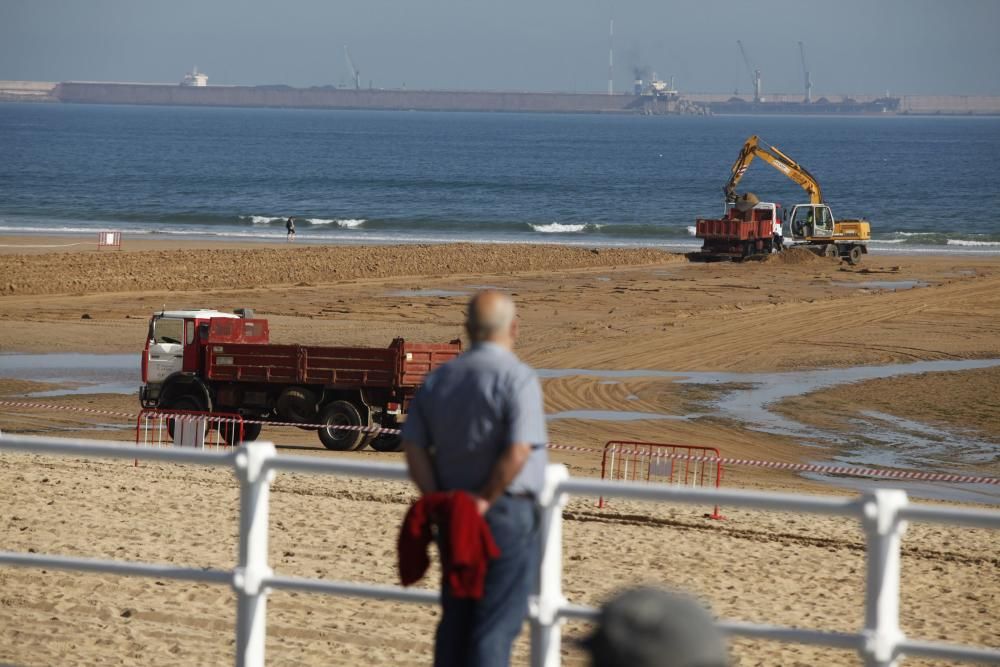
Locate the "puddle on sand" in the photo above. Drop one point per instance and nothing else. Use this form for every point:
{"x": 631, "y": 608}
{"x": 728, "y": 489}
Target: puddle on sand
{"x": 894, "y": 285}
{"x": 87, "y": 373}
{"x": 87, "y": 389}
{"x": 964, "y": 493}
{"x": 428, "y": 292}
{"x": 876, "y": 439}
{"x": 748, "y": 394}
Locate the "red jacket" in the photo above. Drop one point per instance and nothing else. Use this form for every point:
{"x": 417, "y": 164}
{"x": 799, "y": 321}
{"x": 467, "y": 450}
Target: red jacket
{"x": 467, "y": 545}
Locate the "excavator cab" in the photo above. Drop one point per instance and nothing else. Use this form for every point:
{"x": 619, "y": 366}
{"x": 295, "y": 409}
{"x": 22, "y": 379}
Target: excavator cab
{"x": 812, "y": 221}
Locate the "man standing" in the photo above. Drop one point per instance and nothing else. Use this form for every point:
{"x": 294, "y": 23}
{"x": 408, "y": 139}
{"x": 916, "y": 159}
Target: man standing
{"x": 290, "y": 228}
{"x": 478, "y": 425}
{"x": 779, "y": 239}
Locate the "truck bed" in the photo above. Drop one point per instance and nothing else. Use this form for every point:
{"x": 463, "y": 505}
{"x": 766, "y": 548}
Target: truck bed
{"x": 731, "y": 229}
{"x": 400, "y": 365}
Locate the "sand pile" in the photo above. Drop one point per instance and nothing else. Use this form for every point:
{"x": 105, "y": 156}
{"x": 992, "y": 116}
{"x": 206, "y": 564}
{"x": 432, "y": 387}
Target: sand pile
{"x": 215, "y": 268}
{"x": 795, "y": 257}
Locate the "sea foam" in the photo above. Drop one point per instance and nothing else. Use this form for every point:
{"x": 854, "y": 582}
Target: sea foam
{"x": 972, "y": 243}
{"x": 351, "y": 223}
{"x": 260, "y": 219}
{"x": 560, "y": 228}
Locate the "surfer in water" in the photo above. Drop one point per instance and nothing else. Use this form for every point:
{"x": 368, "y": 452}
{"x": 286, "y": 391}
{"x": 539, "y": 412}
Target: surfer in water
{"x": 290, "y": 227}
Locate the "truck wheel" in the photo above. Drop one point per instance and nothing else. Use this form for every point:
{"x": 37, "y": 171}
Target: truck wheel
{"x": 297, "y": 404}
{"x": 251, "y": 432}
{"x": 341, "y": 413}
{"x": 830, "y": 250}
{"x": 182, "y": 403}
{"x": 230, "y": 432}
{"x": 387, "y": 443}
{"x": 854, "y": 256}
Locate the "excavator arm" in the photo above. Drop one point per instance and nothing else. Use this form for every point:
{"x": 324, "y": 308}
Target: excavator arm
{"x": 754, "y": 147}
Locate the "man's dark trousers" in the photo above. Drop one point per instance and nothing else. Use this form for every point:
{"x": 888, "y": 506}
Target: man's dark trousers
{"x": 479, "y": 633}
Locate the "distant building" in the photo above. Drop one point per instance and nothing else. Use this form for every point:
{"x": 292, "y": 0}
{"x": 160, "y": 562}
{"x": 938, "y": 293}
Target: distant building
{"x": 195, "y": 78}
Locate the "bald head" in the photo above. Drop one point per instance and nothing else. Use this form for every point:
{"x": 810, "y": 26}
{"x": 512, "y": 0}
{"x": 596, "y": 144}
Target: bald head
{"x": 491, "y": 318}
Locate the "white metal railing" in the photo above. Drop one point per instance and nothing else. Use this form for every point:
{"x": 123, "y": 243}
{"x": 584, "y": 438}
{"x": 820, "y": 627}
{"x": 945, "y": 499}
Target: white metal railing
{"x": 883, "y": 514}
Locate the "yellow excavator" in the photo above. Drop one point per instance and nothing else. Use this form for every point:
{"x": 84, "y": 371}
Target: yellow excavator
{"x": 812, "y": 224}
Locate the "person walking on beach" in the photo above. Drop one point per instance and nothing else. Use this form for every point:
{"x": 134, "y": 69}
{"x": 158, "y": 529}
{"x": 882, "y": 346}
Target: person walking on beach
{"x": 478, "y": 425}
{"x": 290, "y": 228}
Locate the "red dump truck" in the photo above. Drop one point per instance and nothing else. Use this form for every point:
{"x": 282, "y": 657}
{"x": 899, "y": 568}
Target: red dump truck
{"x": 739, "y": 234}
{"x": 207, "y": 360}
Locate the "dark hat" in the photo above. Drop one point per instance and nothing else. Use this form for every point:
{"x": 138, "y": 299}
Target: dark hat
{"x": 648, "y": 627}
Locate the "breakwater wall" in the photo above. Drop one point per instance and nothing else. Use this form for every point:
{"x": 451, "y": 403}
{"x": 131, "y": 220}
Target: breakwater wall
{"x": 431, "y": 100}
{"x": 908, "y": 104}
{"x": 340, "y": 98}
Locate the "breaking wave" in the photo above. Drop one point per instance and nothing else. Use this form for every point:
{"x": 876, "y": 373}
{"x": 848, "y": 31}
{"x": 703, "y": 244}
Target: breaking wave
{"x": 972, "y": 243}
{"x": 350, "y": 223}
{"x": 560, "y": 228}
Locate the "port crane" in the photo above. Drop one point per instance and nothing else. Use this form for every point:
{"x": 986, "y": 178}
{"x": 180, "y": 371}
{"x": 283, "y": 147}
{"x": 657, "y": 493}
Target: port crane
{"x": 805, "y": 73}
{"x": 753, "y": 71}
{"x": 355, "y": 72}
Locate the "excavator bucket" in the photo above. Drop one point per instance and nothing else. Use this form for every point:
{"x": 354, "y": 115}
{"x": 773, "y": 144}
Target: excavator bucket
{"x": 746, "y": 202}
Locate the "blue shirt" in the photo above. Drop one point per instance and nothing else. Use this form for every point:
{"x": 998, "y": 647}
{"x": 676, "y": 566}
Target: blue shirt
{"x": 470, "y": 410}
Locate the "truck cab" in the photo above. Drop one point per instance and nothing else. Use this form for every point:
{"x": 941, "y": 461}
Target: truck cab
{"x": 174, "y": 347}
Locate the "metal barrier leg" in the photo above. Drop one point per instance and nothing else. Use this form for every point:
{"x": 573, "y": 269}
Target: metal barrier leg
{"x": 546, "y": 626}
{"x": 884, "y": 531}
{"x": 251, "y": 609}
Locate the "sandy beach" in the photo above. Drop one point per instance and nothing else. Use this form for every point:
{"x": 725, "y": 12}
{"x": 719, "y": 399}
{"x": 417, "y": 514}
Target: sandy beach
{"x": 603, "y": 309}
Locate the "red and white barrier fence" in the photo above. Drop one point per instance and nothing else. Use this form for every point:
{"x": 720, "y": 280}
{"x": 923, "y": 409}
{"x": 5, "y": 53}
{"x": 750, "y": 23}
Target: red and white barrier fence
{"x": 188, "y": 428}
{"x": 109, "y": 240}
{"x": 662, "y": 463}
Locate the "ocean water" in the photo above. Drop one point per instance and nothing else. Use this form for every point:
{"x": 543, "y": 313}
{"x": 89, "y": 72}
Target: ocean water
{"x": 926, "y": 184}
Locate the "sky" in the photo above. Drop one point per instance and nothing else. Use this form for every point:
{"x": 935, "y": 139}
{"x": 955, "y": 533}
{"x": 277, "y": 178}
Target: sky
{"x": 852, "y": 46}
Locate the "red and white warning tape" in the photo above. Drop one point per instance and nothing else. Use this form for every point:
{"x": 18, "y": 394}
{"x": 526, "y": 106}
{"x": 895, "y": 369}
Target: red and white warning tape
{"x": 66, "y": 408}
{"x": 910, "y": 475}
{"x": 187, "y": 416}
{"x": 913, "y": 475}
{"x": 217, "y": 419}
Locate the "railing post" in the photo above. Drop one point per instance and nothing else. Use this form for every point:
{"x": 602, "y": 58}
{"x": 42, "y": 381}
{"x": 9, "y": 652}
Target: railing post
{"x": 251, "y": 595}
{"x": 884, "y": 531}
{"x": 546, "y": 630}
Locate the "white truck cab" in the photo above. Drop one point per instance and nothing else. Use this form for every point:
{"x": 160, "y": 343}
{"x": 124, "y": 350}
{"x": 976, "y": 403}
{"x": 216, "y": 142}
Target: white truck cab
{"x": 171, "y": 345}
